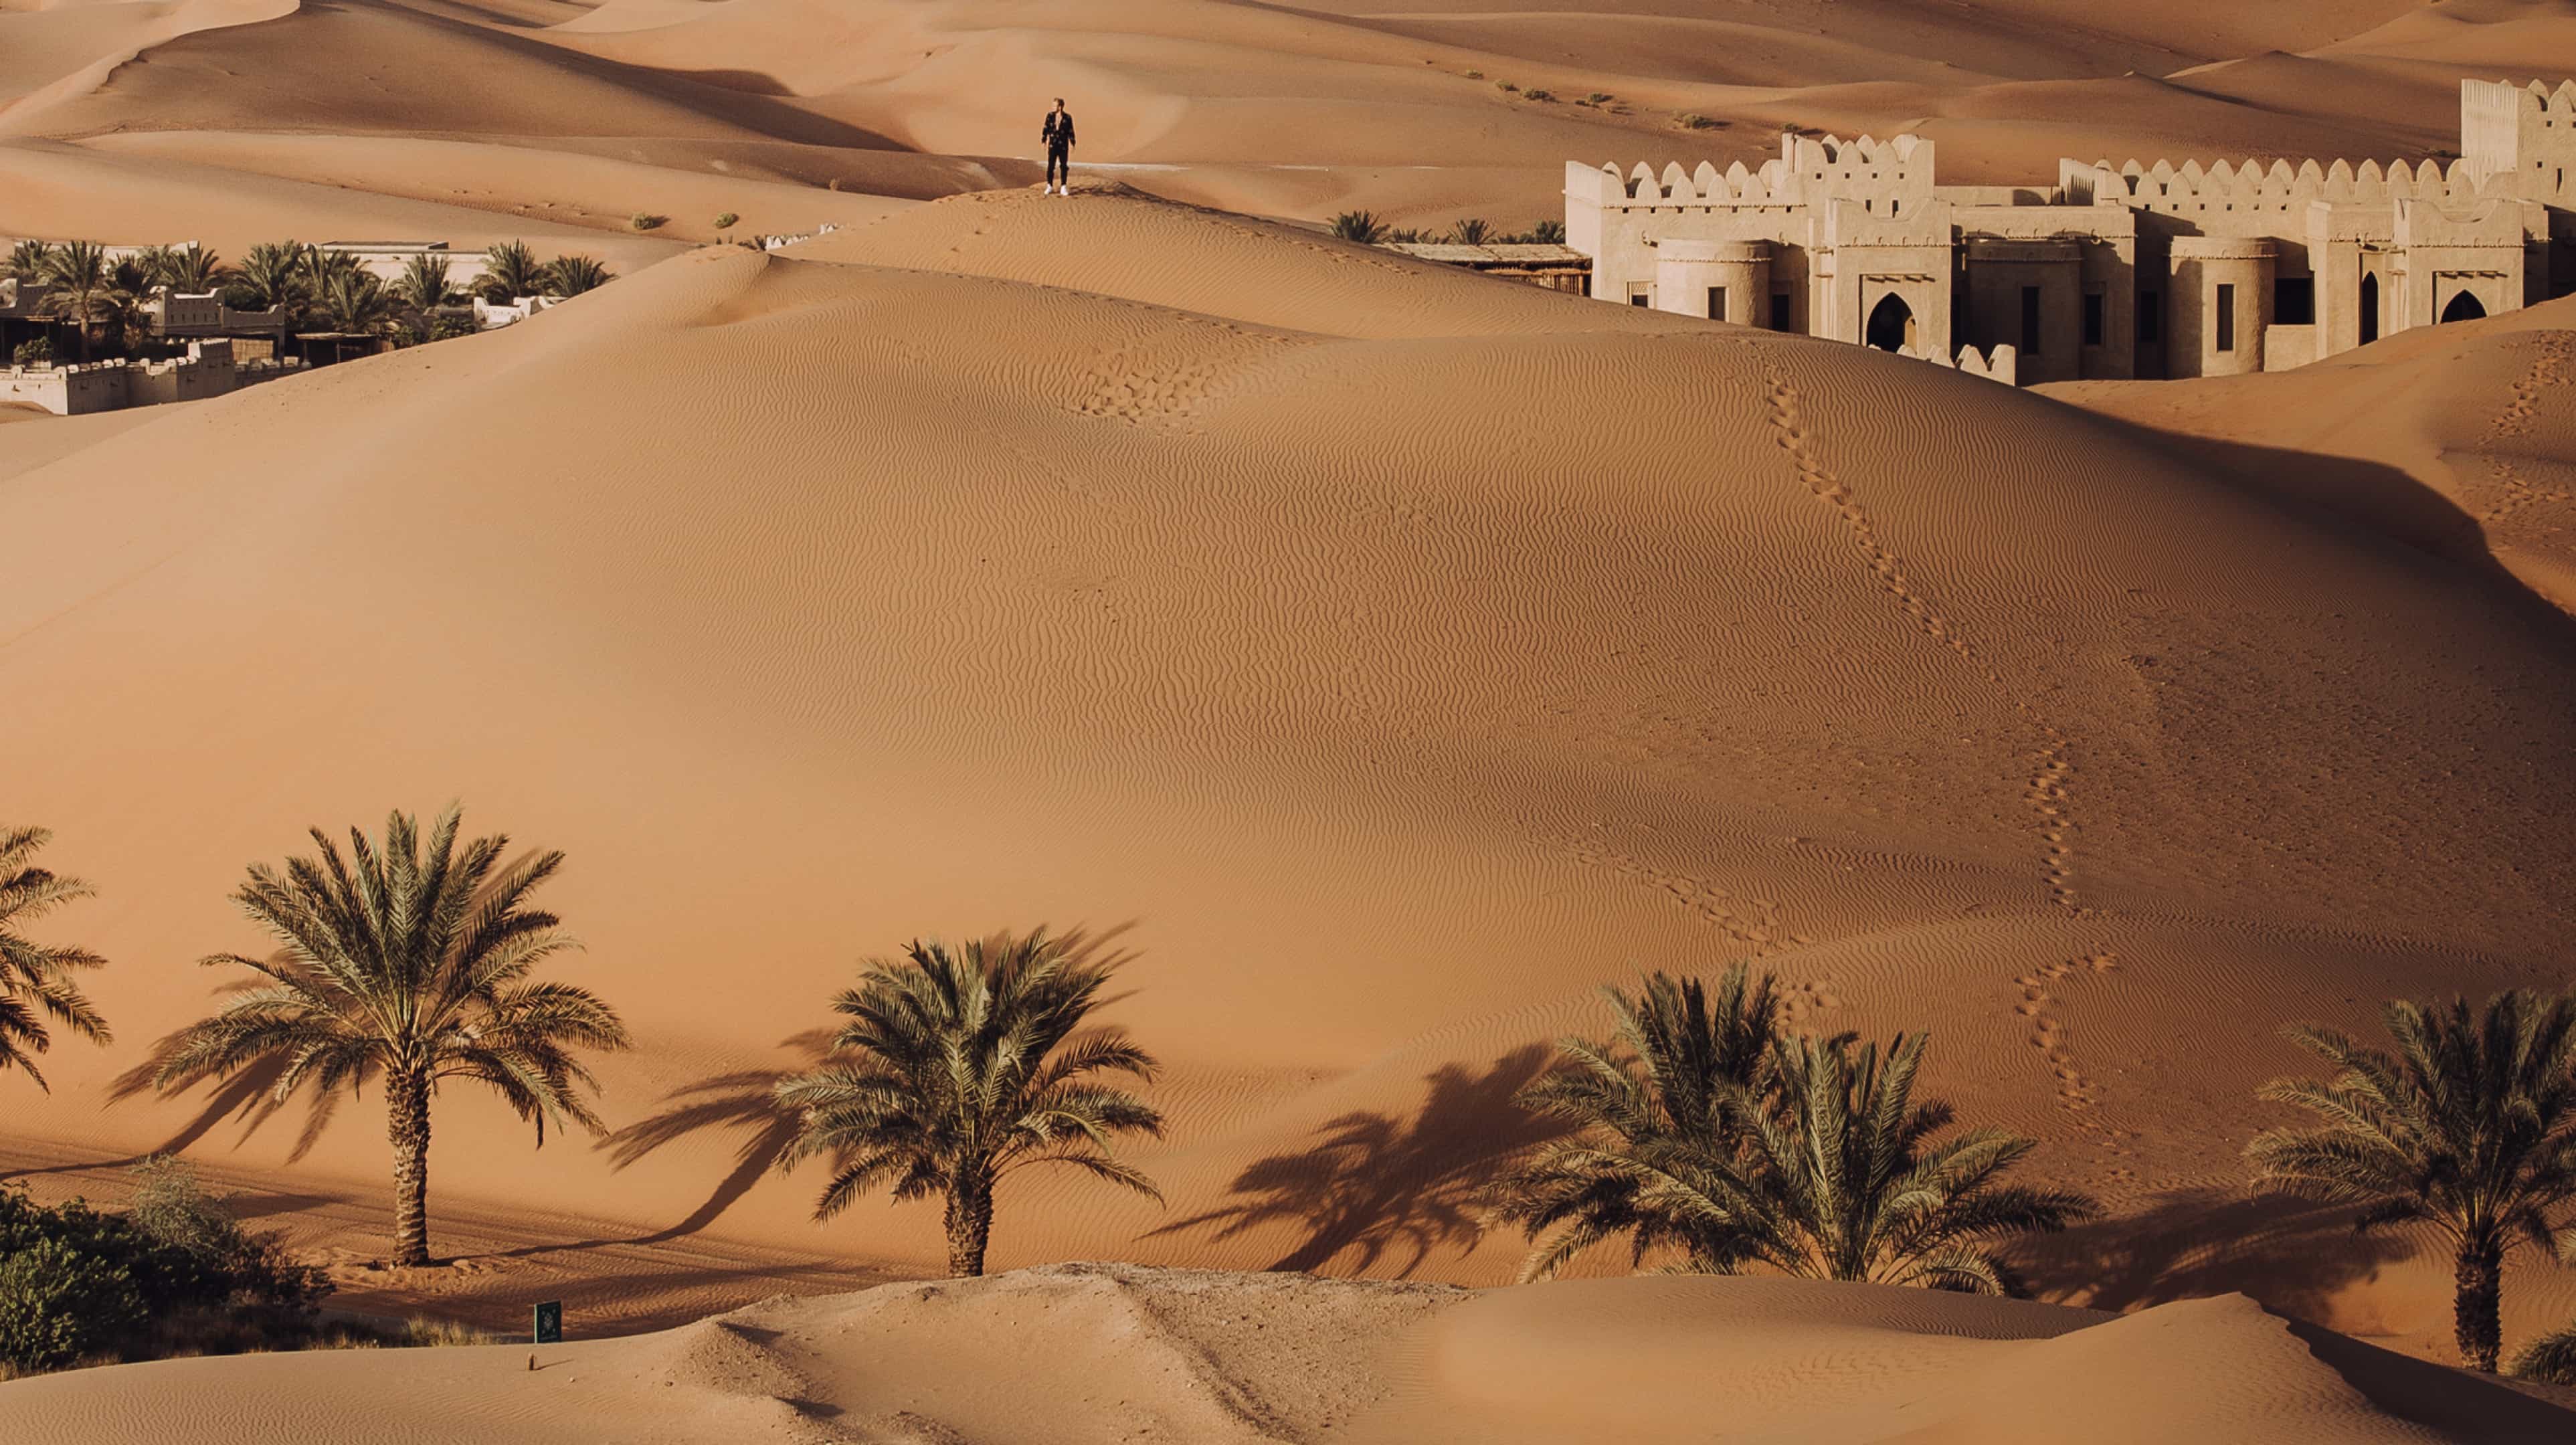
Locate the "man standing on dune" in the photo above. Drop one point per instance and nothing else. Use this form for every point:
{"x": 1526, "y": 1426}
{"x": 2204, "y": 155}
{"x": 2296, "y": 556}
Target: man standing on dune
{"x": 1058, "y": 135}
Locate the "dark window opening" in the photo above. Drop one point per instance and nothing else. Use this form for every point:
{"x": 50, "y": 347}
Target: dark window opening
{"x": 1640, "y": 298}
{"x": 2463, "y": 307}
{"x": 2227, "y": 318}
{"x": 1717, "y": 303}
{"x": 2294, "y": 301}
{"x": 2030, "y": 321}
{"x": 1780, "y": 318}
{"x": 2092, "y": 318}
{"x": 1891, "y": 325}
{"x": 2369, "y": 309}
{"x": 2151, "y": 318}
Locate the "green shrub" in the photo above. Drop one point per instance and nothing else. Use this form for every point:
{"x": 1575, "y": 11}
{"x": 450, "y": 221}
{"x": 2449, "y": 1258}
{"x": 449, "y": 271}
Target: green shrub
{"x": 39, "y": 352}
{"x": 58, "y": 1305}
{"x": 645, "y": 221}
{"x": 1505, "y": 85}
{"x": 1536, "y": 94}
{"x": 1693, "y": 120}
{"x": 1598, "y": 97}
{"x": 1475, "y": 75}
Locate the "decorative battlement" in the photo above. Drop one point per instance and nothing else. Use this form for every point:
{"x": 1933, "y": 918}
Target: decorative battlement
{"x": 2191, "y": 268}
{"x": 2165, "y": 187}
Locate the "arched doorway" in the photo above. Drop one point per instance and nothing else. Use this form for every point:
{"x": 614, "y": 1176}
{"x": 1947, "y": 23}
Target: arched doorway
{"x": 2463, "y": 307}
{"x": 2369, "y": 309}
{"x": 1891, "y": 324}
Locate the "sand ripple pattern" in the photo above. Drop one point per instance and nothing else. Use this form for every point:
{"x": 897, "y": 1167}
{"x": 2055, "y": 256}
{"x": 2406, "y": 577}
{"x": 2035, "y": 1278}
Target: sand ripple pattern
{"x": 2553, "y": 351}
{"x": 2053, "y": 769}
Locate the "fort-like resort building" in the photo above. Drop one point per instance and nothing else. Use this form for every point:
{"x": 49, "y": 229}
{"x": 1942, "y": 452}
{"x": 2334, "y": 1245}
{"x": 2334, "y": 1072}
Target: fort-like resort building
{"x": 2139, "y": 271}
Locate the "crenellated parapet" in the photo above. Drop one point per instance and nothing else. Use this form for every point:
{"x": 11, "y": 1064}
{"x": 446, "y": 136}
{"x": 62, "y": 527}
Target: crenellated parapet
{"x": 1808, "y": 169}
{"x": 2165, "y": 186}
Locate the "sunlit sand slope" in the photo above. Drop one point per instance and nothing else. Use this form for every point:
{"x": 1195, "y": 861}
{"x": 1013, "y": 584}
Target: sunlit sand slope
{"x": 1393, "y": 655}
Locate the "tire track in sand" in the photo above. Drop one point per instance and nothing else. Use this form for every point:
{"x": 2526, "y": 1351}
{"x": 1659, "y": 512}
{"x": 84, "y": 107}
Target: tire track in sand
{"x": 2052, "y": 767}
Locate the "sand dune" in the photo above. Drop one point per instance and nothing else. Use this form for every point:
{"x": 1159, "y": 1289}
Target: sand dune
{"x": 1392, "y": 655}
{"x": 1112, "y": 1353}
{"x": 1295, "y": 113}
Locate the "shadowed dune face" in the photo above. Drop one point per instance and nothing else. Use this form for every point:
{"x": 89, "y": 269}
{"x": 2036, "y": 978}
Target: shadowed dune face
{"x": 1394, "y": 682}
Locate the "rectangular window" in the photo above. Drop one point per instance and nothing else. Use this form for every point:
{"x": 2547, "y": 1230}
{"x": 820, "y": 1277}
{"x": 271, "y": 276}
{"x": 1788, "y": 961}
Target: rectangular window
{"x": 2226, "y": 318}
{"x": 1780, "y": 318}
{"x": 2294, "y": 301}
{"x": 1641, "y": 296}
{"x": 2151, "y": 318}
{"x": 1717, "y": 303}
{"x": 2030, "y": 321}
{"x": 2092, "y": 318}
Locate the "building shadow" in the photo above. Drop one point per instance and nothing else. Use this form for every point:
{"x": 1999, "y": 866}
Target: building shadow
{"x": 1375, "y": 1189}
{"x": 2372, "y": 497}
{"x": 2290, "y": 1255}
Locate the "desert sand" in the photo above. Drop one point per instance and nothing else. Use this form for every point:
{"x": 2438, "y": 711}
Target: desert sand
{"x": 1384, "y": 656}
{"x": 1118, "y": 1353}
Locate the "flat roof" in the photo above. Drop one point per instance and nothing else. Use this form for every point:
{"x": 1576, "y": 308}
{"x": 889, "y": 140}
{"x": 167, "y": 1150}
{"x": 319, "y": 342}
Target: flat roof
{"x": 382, "y": 245}
{"x": 1515, "y": 253}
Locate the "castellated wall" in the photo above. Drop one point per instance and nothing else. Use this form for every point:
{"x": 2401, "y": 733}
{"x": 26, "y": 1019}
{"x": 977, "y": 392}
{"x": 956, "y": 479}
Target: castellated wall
{"x": 2143, "y": 269}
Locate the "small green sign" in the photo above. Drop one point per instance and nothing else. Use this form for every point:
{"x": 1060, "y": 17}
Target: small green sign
{"x": 550, "y": 1322}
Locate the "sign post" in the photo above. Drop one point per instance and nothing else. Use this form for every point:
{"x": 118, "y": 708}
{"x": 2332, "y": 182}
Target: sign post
{"x": 550, "y": 1322}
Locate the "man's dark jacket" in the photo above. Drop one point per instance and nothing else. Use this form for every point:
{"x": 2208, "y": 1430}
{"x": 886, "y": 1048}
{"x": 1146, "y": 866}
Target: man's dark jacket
{"x": 1058, "y": 130}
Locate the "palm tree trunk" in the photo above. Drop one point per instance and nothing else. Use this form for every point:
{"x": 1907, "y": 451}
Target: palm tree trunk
{"x": 970, "y": 1225}
{"x": 407, "y": 1125}
{"x": 2479, "y": 1279}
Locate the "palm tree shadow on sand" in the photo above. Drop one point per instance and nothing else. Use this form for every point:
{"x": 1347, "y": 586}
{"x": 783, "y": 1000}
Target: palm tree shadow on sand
{"x": 2293, "y": 1256}
{"x": 1375, "y": 1187}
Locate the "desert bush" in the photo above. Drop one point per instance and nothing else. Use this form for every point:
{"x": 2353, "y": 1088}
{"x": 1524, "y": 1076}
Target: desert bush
{"x": 727, "y": 221}
{"x": 1598, "y": 97}
{"x": 1693, "y": 120}
{"x": 646, "y": 221}
{"x": 39, "y": 352}
{"x": 1506, "y": 85}
{"x": 423, "y": 1333}
{"x": 59, "y": 1304}
{"x": 1536, "y": 94}
{"x": 1475, "y": 75}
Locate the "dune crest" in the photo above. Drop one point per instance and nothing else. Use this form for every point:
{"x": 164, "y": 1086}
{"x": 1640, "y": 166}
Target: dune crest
{"x": 1075, "y": 1354}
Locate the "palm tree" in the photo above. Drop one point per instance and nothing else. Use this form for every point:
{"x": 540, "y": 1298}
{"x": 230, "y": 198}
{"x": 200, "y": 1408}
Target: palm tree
{"x": 2470, "y": 1126}
{"x": 27, "y": 260}
{"x": 1471, "y": 231}
{"x": 78, "y": 271}
{"x": 1360, "y": 226}
{"x": 411, "y": 964}
{"x": 124, "y": 306}
{"x": 510, "y": 271}
{"x": 1675, "y": 1079}
{"x": 2550, "y": 1359}
{"x": 357, "y": 302}
{"x": 189, "y": 270}
{"x": 573, "y": 275}
{"x": 270, "y": 277}
{"x": 424, "y": 286}
{"x": 35, "y": 978}
{"x": 959, "y": 1068}
{"x": 1848, "y": 1185}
